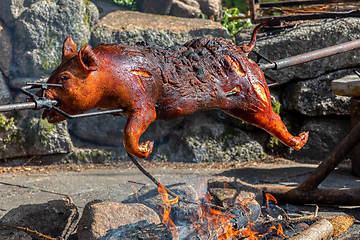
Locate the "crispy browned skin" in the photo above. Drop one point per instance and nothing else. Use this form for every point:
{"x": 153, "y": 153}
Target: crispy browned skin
{"x": 154, "y": 83}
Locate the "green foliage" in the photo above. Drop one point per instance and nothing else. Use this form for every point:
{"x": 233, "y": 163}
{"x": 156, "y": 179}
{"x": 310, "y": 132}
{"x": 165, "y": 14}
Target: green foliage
{"x": 49, "y": 65}
{"x": 131, "y": 4}
{"x": 43, "y": 129}
{"x": 233, "y": 26}
{"x": 91, "y": 156}
{"x": 87, "y": 17}
{"x": 273, "y": 143}
{"x": 6, "y": 123}
{"x": 243, "y": 6}
{"x": 276, "y": 106}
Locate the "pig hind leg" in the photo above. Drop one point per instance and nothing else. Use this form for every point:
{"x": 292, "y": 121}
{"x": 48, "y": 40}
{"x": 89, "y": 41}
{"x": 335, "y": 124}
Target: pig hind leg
{"x": 272, "y": 123}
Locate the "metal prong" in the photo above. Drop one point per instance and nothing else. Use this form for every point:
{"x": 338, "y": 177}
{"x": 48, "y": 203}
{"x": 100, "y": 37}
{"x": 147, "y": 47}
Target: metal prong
{"x": 357, "y": 73}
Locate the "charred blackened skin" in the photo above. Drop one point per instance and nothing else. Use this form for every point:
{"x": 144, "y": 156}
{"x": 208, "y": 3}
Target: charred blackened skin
{"x": 150, "y": 83}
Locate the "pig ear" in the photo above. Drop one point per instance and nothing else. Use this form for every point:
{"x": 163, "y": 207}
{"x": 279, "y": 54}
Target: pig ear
{"x": 88, "y": 59}
{"x": 69, "y": 49}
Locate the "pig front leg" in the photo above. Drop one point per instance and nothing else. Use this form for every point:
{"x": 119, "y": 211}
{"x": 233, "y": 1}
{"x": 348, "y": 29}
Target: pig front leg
{"x": 137, "y": 122}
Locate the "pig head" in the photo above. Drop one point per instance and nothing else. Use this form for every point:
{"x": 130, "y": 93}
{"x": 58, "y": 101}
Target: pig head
{"x": 150, "y": 82}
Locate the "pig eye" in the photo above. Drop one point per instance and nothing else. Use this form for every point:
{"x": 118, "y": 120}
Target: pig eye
{"x": 64, "y": 77}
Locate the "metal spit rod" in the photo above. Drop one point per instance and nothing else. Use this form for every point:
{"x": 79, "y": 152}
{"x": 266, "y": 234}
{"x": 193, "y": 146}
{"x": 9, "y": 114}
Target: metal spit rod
{"x": 21, "y": 106}
{"x": 310, "y": 56}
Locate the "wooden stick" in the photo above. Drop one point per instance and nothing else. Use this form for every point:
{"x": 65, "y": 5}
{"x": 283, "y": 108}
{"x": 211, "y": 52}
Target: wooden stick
{"x": 320, "y": 230}
{"x": 146, "y": 173}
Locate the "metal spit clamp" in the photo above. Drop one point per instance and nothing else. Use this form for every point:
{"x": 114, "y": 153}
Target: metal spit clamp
{"x": 36, "y": 102}
{"x": 42, "y": 101}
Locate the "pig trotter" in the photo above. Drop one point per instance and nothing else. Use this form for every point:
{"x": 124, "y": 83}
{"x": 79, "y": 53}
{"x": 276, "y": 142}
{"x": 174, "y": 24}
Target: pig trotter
{"x": 300, "y": 141}
{"x": 146, "y": 147}
{"x": 277, "y": 129}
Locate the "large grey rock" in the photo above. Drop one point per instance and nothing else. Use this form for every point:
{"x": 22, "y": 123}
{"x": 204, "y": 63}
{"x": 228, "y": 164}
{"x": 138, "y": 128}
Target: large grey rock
{"x": 41, "y": 30}
{"x": 25, "y": 133}
{"x": 185, "y": 9}
{"x": 106, "y": 130}
{"x": 315, "y": 98}
{"x": 107, "y": 6}
{"x": 56, "y": 218}
{"x": 211, "y": 8}
{"x": 10, "y": 10}
{"x": 6, "y": 49}
{"x": 125, "y": 27}
{"x": 20, "y": 82}
{"x": 5, "y": 97}
{"x": 100, "y": 217}
{"x": 303, "y": 38}
{"x": 211, "y": 141}
{"x": 204, "y": 138}
{"x": 325, "y": 133}
{"x": 155, "y": 6}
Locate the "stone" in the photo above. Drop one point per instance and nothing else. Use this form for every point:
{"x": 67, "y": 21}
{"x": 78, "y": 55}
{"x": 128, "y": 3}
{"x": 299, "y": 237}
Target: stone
{"x": 210, "y": 140}
{"x": 204, "y": 137}
{"x": 6, "y": 49}
{"x": 41, "y": 30}
{"x": 105, "y": 130}
{"x": 347, "y": 86}
{"x": 10, "y": 10}
{"x": 20, "y": 82}
{"x": 100, "y": 217}
{"x": 25, "y": 134}
{"x": 126, "y": 27}
{"x": 352, "y": 236}
{"x": 14, "y": 235}
{"x": 5, "y": 96}
{"x": 56, "y": 218}
{"x": 211, "y": 8}
{"x": 325, "y": 133}
{"x": 181, "y": 212}
{"x": 161, "y": 7}
{"x": 105, "y": 7}
{"x": 230, "y": 190}
{"x": 303, "y": 38}
{"x": 185, "y": 9}
{"x": 314, "y": 97}
{"x": 139, "y": 230}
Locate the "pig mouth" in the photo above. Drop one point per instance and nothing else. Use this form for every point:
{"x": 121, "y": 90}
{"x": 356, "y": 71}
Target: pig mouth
{"x": 52, "y": 115}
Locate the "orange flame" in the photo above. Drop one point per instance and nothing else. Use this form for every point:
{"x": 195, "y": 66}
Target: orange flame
{"x": 248, "y": 233}
{"x": 216, "y": 221}
{"x": 280, "y": 232}
{"x": 270, "y": 197}
{"x": 136, "y": 192}
{"x": 167, "y": 208}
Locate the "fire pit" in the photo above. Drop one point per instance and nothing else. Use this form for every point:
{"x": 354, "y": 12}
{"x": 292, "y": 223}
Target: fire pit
{"x": 224, "y": 181}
